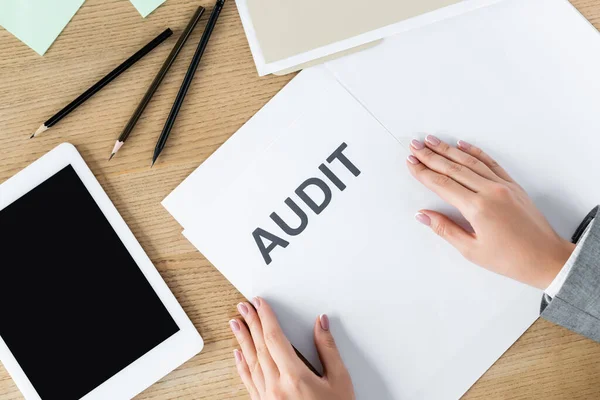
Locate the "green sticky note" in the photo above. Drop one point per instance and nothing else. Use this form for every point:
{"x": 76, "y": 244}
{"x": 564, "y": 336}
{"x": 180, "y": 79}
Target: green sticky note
{"x": 145, "y": 7}
{"x": 37, "y": 23}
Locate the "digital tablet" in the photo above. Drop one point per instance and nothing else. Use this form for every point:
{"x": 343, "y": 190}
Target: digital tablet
{"x": 85, "y": 314}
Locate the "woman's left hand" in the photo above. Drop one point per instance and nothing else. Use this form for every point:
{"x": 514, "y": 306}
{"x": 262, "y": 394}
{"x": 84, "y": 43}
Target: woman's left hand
{"x": 270, "y": 368}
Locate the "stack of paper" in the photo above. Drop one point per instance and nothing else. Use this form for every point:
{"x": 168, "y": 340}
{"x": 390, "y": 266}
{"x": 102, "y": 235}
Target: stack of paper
{"x": 310, "y": 204}
{"x": 288, "y": 35}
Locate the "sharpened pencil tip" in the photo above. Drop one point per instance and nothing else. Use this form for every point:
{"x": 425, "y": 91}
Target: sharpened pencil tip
{"x": 41, "y": 129}
{"x": 116, "y": 148}
{"x": 152, "y": 165}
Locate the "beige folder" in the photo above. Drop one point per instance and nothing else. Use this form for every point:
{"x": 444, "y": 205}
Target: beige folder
{"x": 285, "y": 28}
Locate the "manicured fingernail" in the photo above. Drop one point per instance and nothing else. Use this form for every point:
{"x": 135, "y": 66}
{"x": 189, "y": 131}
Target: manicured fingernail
{"x": 242, "y": 309}
{"x": 417, "y": 145}
{"x": 324, "y": 320}
{"x": 256, "y": 301}
{"x": 423, "y": 218}
{"x": 432, "y": 140}
{"x": 238, "y": 355}
{"x": 234, "y": 325}
{"x": 413, "y": 160}
{"x": 463, "y": 145}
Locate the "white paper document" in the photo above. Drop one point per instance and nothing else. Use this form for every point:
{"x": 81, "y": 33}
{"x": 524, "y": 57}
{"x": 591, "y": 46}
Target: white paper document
{"x": 311, "y": 205}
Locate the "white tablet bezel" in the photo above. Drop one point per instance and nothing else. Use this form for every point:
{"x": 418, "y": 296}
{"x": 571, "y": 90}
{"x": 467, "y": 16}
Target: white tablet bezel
{"x": 159, "y": 361}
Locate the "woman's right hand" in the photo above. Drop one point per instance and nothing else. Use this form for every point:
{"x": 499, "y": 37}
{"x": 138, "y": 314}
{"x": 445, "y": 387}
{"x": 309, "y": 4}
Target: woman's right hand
{"x": 510, "y": 235}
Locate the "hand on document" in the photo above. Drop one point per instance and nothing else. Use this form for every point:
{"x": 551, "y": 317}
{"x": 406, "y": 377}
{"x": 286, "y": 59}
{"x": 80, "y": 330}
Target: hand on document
{"x": 270, "y": 368}
{"x": 507, "y": 235}
{"x": 510, "y": 235}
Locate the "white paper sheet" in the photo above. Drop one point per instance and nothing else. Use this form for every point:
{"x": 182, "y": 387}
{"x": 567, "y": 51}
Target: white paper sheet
{"x": 519, "y": 78}
{"x": 363, "y": 260}
{"x": 412, "y": 318}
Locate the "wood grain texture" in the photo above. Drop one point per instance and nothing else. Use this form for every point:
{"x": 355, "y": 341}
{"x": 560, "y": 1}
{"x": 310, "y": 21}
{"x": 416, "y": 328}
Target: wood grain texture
{"x": 548, "y": 362}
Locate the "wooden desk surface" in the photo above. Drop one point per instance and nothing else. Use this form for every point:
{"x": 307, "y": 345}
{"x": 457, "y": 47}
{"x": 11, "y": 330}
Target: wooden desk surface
{"x": 548, "y": 362}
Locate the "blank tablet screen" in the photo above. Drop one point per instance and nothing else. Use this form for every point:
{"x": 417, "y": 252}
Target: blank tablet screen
{"x": 76, "y": 308}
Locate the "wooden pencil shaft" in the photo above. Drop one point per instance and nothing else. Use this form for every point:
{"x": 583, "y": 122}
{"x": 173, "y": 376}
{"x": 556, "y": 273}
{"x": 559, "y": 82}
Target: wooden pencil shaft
{"x": 189, "y": 76}
{"x": 108, "y": 78}
{"x": 161, "y": 74}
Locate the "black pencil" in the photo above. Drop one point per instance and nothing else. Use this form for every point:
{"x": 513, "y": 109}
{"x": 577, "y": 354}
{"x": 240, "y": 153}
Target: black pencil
{"x": 157, "y": 81}
{"x": 187, "y": 80}
{"x": 103, "y": 82}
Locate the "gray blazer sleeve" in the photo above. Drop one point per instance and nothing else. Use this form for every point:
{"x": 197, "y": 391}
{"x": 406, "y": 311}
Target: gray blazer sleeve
{"x": 577, "y": 304}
